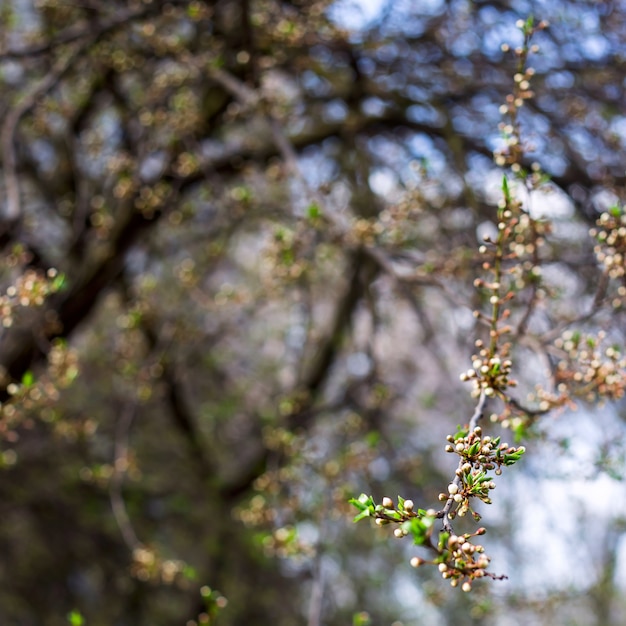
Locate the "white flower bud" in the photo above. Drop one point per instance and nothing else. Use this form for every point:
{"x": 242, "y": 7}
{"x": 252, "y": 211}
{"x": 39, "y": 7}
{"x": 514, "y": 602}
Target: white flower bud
{"x": 388, "y": 503}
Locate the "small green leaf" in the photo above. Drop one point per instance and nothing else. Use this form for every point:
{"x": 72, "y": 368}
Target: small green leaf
{"x": 361, "y": 619}
{"x": 361, "y": 515}
{"x": 59, "y": 283}
{"x": 443, "y": 540}
{"x": 460, "y": 432}
{"x": 372, "y": 438}
{"x": 474, "y": 448}
{"x": 28, "y": 379}
{"x": 75, "y": 618}
{"x": 313, "y": 211}
{"x": 365, "y": 504}
{"x": 505, "y": 188}
{"x": 419, "y": 528}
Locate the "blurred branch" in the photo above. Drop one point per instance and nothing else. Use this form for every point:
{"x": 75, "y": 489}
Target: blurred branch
{"x": 94, "y": 29}
{"x": 180, "y": 409}
{"x": 12, "y": 120}
{"x": 120, "y": 466}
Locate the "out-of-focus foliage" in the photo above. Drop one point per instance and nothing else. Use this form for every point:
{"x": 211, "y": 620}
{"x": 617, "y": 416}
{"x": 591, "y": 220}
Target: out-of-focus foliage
{"x": 240, "y": 245}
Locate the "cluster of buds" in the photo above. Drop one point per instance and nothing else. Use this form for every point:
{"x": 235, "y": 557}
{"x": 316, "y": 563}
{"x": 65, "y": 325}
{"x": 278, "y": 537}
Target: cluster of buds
{"x": 364, "y": 232}
{"x": 147, "y": 565}
{"x": 460, "y": 561}
{"x": 512, "y": 263}
{"x": 488, "y": 374}
{"x": 593, "y": 373}
{"x": 610, "y": 235}
{"x": 29, "y": 290}
{"x": 456, "y": 557}
{"x": 527, "y": 235}
{"x": 479, "y": 455}
{"x": 285, "y": 258}
{"x": 387, "y": 512}
{"x": 395, "y": 225}
{"x": 512, "y": 152}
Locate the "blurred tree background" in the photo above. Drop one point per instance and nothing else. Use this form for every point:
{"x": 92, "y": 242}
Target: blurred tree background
{"x": 239, "y": 240}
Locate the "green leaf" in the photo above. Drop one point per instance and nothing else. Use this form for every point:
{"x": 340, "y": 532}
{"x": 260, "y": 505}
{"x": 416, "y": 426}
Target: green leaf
{"x": 372, "y": 438}
{"x": 505, "y": 188}
{"x": 365, "y": 504}
{"x": 361, "y": 619}
{"x": 313, "y": 211}
{"x": 474, "y": 448}
{"x": 527, "y": 28}
{"x": 362, "y": 502}
{"x": 419, "y": 528}
{"x": 28, "y": 379}
{"x": 443, "y": 539}
{"x": 59, "y": 283}
{"x": 460, "y": 432}
{"x": 75, "y": 618}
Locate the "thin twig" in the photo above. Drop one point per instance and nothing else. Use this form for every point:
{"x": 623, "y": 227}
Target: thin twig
{"x": 444, "y": 514}
{"x": 120, "y": 466}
